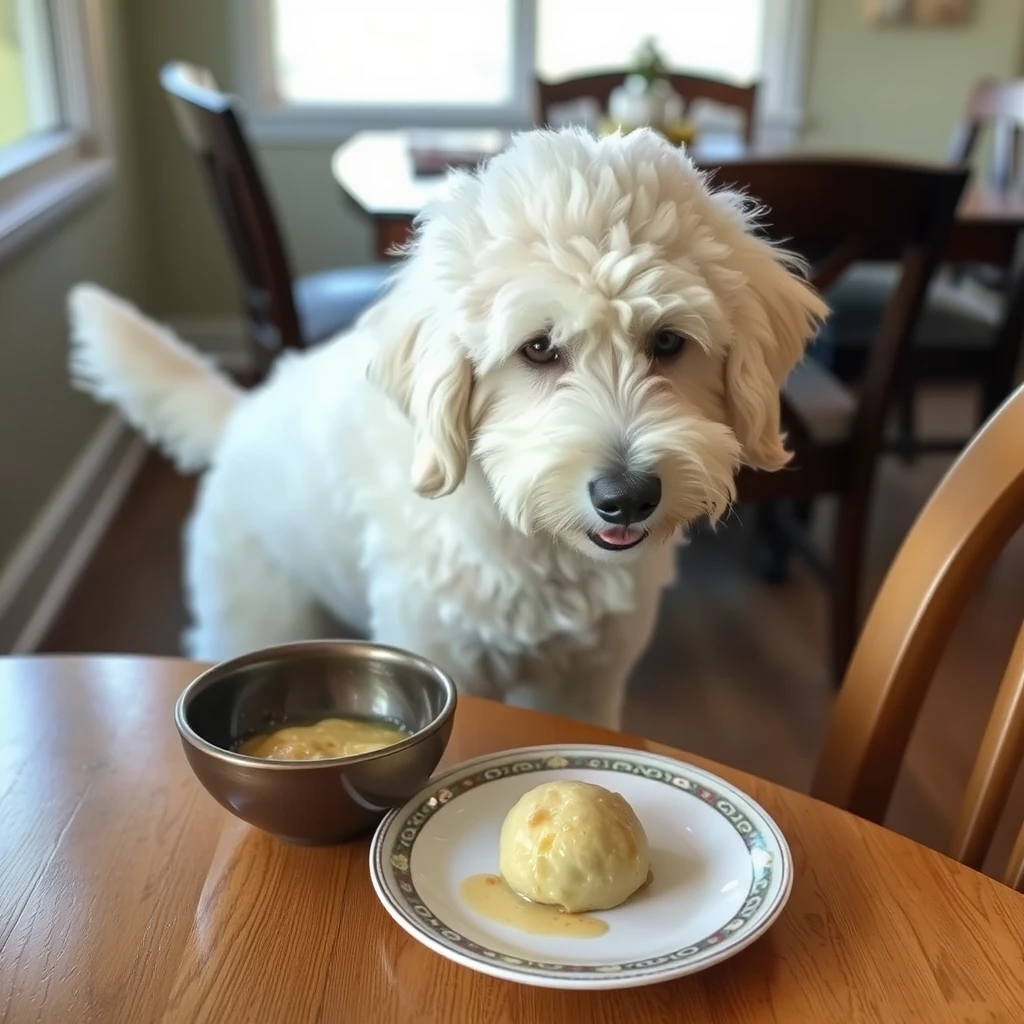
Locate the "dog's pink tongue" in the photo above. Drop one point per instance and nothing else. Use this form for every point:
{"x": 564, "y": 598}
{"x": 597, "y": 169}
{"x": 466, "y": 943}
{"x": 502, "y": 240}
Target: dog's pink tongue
{"x": 620, "y": 536}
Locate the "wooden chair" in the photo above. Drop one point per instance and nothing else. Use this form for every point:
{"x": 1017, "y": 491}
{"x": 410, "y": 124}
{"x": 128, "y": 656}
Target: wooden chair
{"x": 834, "y": 212}
{"x": 281, "y": 311}
{"x": 1001, "y": 105}
{"x": 968, "y": 521}
{"x": 690, "y": 87}
{"x": 973, "y": 321}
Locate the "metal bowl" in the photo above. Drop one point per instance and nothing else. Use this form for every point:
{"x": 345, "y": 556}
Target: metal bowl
{"x": 315, "y": 802}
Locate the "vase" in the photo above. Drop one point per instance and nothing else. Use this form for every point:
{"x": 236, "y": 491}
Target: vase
{"x": 638, "y": 102}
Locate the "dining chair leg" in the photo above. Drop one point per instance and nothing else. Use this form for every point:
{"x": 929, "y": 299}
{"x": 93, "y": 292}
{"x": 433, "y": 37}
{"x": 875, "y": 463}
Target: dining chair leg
{"x": 772, "y": 546}
{"x": 847, "y": 558}
{"x": 1002, "y": 372}
{"x": 261, "y": 359}
{"x": 906, "y": 422}
{"x": 997, "y": 384}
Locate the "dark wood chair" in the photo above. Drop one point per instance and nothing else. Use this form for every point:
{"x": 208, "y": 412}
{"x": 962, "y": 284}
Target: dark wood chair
{"x": 281, "y": 311}
{"x": 973, "y": 321}
{"x": 1000, "y": 105}
{"x": 836, "y": 212}
{"x": 690, "y": 87}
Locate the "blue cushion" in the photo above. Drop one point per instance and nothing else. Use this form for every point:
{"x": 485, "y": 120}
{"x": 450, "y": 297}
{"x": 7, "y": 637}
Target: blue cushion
{"x": 960, "y": 314}
{"x": 331, "y": 301}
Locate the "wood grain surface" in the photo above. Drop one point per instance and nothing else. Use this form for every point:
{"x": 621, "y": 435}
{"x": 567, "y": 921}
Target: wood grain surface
{"x": 127, "y": 894}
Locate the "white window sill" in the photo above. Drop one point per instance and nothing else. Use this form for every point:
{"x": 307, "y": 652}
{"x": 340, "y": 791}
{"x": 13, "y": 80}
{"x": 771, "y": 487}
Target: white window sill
{"x": 287, "y": 125}
{"x": 291, "y": 126}
{"x": 37, "y": 208}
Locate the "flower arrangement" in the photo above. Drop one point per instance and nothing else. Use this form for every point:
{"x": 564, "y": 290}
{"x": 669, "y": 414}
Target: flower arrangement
{"x": 646, "y": 97}
{"x": 650, "y": 65}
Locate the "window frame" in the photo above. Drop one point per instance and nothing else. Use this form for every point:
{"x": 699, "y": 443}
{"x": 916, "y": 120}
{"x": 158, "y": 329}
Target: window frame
{"x": 272, "y": 121}
{"x": 47, "y": 175}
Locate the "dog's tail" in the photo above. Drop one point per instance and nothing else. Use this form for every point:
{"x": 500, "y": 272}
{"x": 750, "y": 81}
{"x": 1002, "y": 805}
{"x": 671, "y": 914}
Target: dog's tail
{"x": 164, "y": 389}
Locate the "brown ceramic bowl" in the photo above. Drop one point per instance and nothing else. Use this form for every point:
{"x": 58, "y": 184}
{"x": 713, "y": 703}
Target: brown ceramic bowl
{"x": 326, "y": 801}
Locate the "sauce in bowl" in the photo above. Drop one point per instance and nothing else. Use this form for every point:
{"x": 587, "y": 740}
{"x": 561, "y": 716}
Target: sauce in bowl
{"x": 327, "y": 738}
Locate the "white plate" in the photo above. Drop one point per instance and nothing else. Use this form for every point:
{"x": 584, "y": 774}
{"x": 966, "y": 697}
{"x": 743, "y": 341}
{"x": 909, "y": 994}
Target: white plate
{"x": 722, "y": 869}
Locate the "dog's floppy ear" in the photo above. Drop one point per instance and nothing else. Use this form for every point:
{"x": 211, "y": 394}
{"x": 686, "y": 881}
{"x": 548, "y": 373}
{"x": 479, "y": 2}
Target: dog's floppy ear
{"x": 429, "y": 377}
{"x": 777, "y": 313}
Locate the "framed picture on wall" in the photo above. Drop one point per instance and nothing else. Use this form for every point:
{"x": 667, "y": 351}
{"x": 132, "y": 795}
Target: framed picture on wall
{"x": 917, "y": 12}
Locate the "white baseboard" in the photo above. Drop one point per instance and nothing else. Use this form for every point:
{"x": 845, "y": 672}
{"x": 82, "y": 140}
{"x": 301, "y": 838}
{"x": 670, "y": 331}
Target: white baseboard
{"x": 222, "y": 337}
{"x": 38, "y": 578}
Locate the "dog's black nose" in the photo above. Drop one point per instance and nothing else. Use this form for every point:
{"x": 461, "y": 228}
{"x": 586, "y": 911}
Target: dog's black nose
{"x": 623, "y": 497}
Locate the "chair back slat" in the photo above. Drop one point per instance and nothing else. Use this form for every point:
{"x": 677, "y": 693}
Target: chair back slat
{"x": 1001, "y": 105}
{"x": 599, "y": 86}
{"x": 210, "y": 124}
{"x": 1014, "y": 874}
{"x": 965, "y": 525}
{"x": 999, "y": 757}
{"x": 828, "y": 269}
{"x": 836, "y": 211}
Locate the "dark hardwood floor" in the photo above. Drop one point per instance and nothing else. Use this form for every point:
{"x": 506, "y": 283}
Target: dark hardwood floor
{"x": 129, "y": 599}
{"x": 736, "y": 671}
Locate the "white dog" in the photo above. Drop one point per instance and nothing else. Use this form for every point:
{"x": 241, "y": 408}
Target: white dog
{"x": 580, "y": 347}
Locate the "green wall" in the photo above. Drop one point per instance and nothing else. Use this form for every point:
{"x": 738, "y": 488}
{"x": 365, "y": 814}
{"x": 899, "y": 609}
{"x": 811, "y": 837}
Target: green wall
{"x": 900, "y": 90}
{"x": 44, "y": 424}
{"x": 13, "y": 103}
{"x": 187, "y": 257}
{"x": 191, "y": 273}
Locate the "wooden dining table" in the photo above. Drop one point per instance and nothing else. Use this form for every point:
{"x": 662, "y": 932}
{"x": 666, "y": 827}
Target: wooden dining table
{"x": 128, "y": 895}
{"x": 374, "y": 171}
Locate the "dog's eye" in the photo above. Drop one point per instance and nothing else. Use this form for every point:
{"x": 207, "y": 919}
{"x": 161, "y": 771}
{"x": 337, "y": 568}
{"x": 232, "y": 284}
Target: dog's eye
{"x": 540, "y": 350}
{"x": 667, "y": 344}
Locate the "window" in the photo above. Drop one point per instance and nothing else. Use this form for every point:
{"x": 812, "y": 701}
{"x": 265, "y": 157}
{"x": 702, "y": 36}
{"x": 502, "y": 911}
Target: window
{"x": 29, "y": 103}
{"x": 54, "y": 146}
{"x": 324, "y": 68}
{"x": 721, "y": 39}
{"x": 321, "y": 53}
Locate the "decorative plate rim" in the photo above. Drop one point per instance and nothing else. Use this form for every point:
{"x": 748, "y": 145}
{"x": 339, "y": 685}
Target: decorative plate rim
{"x": 391, "y": 870}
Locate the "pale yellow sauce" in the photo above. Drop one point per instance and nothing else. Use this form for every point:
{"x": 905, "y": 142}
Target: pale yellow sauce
{"x": 490, "y": 897}
{"x": 331, "y": 737}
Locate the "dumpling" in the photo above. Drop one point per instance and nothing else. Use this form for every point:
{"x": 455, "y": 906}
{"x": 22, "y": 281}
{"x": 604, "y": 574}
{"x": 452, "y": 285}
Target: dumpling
{"x": 575, "y": 845}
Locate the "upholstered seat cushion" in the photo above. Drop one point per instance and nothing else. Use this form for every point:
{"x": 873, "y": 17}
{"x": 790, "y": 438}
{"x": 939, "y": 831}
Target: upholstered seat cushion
{"x": 957, "y": 313}
{"x": 824, "y": 405}
{"x": 331, "y": 300}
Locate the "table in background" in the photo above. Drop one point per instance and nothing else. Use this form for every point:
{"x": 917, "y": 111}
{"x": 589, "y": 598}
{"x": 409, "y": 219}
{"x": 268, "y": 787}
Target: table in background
{"x": 127, "y": 894}
{"x": 374, "y": 170}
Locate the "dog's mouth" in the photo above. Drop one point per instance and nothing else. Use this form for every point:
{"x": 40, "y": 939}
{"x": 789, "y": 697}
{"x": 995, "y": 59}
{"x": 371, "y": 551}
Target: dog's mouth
{"x": 618, "y": 538}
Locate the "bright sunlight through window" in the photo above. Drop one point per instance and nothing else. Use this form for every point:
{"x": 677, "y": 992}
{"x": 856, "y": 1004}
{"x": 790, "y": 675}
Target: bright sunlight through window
{"x": 394, "y": 52}
{"x": 463, "y": 53}
{"x": 720, "y": 39}
{"x": 28, "y": 81}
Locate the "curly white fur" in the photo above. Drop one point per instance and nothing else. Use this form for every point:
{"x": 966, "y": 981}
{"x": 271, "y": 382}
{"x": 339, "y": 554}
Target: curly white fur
{"x": 167, "y": 391}
{"x": 420, "y": 481}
